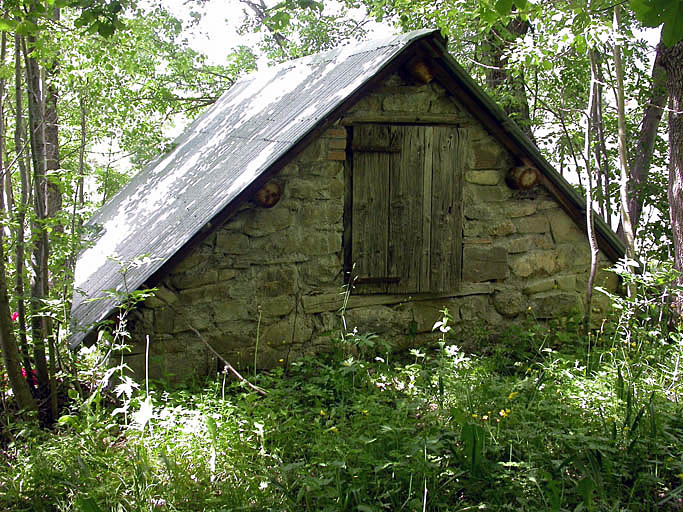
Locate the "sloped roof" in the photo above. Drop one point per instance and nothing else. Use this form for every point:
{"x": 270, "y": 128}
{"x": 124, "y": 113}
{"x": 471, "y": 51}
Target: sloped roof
{"x": 238, "y": 143}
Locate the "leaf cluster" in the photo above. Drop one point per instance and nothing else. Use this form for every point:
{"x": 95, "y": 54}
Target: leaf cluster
{"x": 667, "y": 13}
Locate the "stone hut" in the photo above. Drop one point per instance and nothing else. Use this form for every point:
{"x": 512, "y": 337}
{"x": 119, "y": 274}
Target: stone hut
{"x": 381, "y": 166}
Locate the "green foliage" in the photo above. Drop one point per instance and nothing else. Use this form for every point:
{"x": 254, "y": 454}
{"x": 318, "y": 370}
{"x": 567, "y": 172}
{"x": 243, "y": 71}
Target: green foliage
{"x": 543, "y": 424}
{"x": 668, "y": 13}
{"x": 295, "y": 28}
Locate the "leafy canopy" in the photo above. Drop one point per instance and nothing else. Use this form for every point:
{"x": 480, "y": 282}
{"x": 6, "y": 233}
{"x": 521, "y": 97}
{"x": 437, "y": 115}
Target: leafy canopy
{"x": 668, "y": 13}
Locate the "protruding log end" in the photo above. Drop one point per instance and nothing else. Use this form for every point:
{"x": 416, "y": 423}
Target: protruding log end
{"x": 419, "y": 70}
{"x": 269, "y": 195}
{"x": 523, "y": 177}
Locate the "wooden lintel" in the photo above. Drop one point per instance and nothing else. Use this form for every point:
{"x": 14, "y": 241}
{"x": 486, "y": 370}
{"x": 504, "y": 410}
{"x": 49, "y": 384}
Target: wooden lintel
{"x": 334, "y": 301}
{"x": 406, "y": 118}
{"x": 368, "y": 148}
{"x": 377, "y": 280}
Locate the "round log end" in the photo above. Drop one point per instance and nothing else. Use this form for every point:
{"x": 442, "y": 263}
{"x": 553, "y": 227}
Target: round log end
{"x": 269, "y": 195}
{"x": 419, "y": 70}
{"x": 523, "y": 177}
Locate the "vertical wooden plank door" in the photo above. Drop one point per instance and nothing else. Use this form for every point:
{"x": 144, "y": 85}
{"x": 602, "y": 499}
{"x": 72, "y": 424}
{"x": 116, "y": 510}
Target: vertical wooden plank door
{"x": 407, "y": 208}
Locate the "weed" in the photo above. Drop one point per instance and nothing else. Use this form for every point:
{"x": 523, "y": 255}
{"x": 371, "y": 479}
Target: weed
{"x": 538, "y": 424}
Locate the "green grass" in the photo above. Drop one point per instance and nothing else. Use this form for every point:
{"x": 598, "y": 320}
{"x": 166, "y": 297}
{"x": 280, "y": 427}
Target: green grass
{"x": 540, "y": 422}
{"x": 549, "y": 430}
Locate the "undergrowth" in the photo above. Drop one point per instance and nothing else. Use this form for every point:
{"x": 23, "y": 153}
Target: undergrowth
{"x": 544, "y": 421}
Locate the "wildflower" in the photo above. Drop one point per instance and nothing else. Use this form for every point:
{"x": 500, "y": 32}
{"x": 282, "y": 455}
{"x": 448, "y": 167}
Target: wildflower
{"x": 332, "y": 429}
{"x": 33, "y": 378}
{"x": 263, "y": 486}
{"x": 513, "y": 395}
{"x": 504, "y": 413}
{"x": 282, "y": 360}
{"x": 322, "y": 413}
{"x": 485, "y": 417}
{"x": 680, "y": 475}
{"x": 364, "y": 412}
{"x": 159, "y": 503}
{"x": 15, "y": 316}
{"x": 475, "y": 416}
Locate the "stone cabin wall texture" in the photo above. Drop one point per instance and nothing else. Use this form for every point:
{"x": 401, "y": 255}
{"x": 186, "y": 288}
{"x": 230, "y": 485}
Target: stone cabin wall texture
{"x": 276, "y": 274}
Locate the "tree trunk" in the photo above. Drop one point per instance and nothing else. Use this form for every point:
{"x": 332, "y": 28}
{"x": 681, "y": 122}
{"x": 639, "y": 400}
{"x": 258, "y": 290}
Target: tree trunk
{"x": 39, "y": 287}
{"x": 20, "y": 235}
{"x": 78, "y": 195}
{"x": 600, "y": 148}
{"x": 640, "y": 165}
{"x": 53, "y": 205}
{"x": 8, "y": 343}
{"x": 623, "y": 148}
{"x": 590, "y": 221}
{"x": 672, "y": 60}
{"x": 499, "y": 77}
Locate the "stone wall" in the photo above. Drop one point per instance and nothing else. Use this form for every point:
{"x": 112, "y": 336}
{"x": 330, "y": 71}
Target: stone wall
{"x": 275, "y": 274}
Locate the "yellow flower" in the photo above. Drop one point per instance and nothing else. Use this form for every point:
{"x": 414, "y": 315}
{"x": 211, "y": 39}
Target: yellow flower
{"x": 513, "y": 395}
{"x": 364, "y": 412}
{"x": 322, "y": 413}
{"x": 282, "y": 360}
{"x": 475, "y": 416}
{"x": 504, "y": 413}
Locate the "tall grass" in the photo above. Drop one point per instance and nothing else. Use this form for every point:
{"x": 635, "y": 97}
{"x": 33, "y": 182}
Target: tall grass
{"x": 543, "y": 421}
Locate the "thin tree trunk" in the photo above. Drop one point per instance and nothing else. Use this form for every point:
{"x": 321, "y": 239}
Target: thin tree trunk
{"x": 8, "y": 343}
{"x": 78, "y": 201}
{"x": 54, "y": 196}
{"x": 599, "y": 148}
{"x": 590, "y": 223}
{"x": 498, "y": 76}
{"x": 623, "y": 148}
{"x": 602, "y": 150}
{"x": 53, "y": 205}
{"x": 19, "y": 288}
{"x": 672, "y": 60}
{"x": 640, "y": 165}
{"x": 39, "y": 287}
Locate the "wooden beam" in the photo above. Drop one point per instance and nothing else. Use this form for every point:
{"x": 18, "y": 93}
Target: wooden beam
{"x": 406, "y": 118}
{"x": 334, "y": 301}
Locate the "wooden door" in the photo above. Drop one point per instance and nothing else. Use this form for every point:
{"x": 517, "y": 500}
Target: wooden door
{"x": 406, "y": 208}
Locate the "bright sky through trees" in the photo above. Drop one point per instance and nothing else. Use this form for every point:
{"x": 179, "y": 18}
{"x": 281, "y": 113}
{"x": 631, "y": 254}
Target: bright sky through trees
{"x": 215, "y": 32}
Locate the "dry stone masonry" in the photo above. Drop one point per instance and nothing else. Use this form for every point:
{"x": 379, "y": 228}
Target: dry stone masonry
{"x": 270, "y": 280}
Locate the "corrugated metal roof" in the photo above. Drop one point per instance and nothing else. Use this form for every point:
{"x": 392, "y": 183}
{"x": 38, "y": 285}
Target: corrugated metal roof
{"x": 235, "y": 141}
